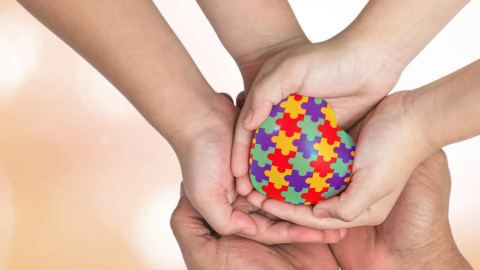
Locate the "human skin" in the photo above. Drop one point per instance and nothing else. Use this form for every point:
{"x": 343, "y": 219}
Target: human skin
{"x": 416, "y": 235}
{"x": 353, "y": 71}
{"x": 396, "y": 136}
{"x": 203, "y": 248}
{"x": 130, "y": 43}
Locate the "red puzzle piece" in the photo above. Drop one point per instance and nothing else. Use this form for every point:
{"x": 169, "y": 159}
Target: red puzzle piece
{"x": 289, "y": 125}
{"x": 321, "y": 166}
{"x": 313, "y": 196}
{"x": 274, "y": 193}
{"x": 328, "y": 132}
{"x": 280, "y": 160}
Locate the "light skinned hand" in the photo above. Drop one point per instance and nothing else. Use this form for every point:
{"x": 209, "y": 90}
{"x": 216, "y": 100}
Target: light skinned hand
{"x": 353, "y": 77}
{"x": 203, "y": 248}
{"x": 416, "y": 234}
{"x": 390, "y": 146}
{"x": 209, "y": 185}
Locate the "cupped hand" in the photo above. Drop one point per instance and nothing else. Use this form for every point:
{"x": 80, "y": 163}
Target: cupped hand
{"x": 390, "y": 146}
{"x": 203, "y": 248}
{"x": 416, "y": 234}
{"x": 353, "y": 77}
{"x": 210, "y": 187}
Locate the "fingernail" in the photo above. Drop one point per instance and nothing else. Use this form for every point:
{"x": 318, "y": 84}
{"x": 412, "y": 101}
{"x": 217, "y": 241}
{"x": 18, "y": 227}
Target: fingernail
{"x": 321, "y": 213}
{"x": 248, "y": 118}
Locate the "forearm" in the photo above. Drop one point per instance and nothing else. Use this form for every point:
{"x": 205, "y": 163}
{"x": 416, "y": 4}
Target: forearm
{"x": 400, "y": 29}
{"x": 448, "y": 109}
{"x": 130, "y": 43}
{"x": 253, "y": 30}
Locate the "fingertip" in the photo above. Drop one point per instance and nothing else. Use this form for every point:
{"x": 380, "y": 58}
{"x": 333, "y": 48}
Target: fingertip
{"x": 343, "y": 234}
{"x": 256, "y": 199}
{"x": 248, "y": 119}
{"x": 331, "y": 236}
{"x": 244, "y": 185}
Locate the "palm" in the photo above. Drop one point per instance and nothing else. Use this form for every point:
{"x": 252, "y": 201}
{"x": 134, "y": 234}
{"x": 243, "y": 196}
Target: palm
{"x": 203, "y": 248}
{"x": 418, "y": 218}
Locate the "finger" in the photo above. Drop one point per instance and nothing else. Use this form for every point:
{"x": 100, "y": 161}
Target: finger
{"x": 227, "y": 96}
{"x": 240, "y": 99}
{"x": 356, "y": 199}
{"x": 244, "y": 185}
{"x": 188, "y": 227}
{"x": 223, "y": 218}
{"x": 267, "y": 92}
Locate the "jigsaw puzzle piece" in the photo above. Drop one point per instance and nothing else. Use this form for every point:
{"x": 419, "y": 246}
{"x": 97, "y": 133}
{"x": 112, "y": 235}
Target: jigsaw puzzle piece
{"x": 273, "y": 192}
{"x": 276, "y": 177}
{"x": 337, "y": 181}
{"x": 310, "y": 128}
{"x": 346, "y": 139}
{"x": 257, "y": 172}
{"x": 329, "y": 132}
{"x": 262, "y": 156}
{"x": 342, "y": 168}
{"x": 333, "y": 192}
{"x": 265, "y": 139}
{"x": 318, "y": 182}
{"x": 289, "y": 124}
{"x": 281, "y": 161}
{"x": 330, "y": 115}
{"x": 293, "y": 105}
{"x": 285, "y": 143}
{"x": 344, "y": 153}
{"x": 270, "y": 124}
{"x": 293, "y": 196}
{"x": 313, "y": 108}
{"x": 301, "y": 164}
{"x": 325, "y": 149}
{"x": 259, "y": 186}
{"x": 313, "y": 196}
{"x": 297, "y": 181}
{"x": 306, "y": 146}
{"x": 321, "y": 166}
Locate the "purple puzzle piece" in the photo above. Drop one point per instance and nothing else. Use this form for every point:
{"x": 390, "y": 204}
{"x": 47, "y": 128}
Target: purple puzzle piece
{"x": 344, "y": 153}
{"x": 337, "y": 181}
{"x": 313, "y": 109}
{"x": 305, "y": 146}
{"x": 297, "y": 181}
{"x": 258, "y": 171}
{"x": 277, "y": 109}
{"x": 264, "y": 139}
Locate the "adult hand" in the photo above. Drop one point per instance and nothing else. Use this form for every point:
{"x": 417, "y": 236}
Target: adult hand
{"x": 416, "y": 234}
{"x": 203, "y": 248}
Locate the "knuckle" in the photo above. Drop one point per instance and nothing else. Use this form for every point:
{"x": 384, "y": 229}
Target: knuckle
{"x": 347, "y": 216}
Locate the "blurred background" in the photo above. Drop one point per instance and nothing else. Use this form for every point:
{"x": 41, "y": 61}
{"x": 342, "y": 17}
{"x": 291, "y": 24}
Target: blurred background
{"x": 86, "y": 183}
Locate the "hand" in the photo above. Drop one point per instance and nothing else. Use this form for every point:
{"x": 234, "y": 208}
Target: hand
{"x": 203, "y": 248}
{"x": 390, "y": 146}
{"x": 210, "y": 187}
{"x": 353, "y": 77}
{"x": 416, "y": 234}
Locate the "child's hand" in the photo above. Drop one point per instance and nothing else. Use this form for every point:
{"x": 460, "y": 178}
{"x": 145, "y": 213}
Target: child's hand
{"x": 391, "y": 144}
{"x": 351, "y": 76}
{"x": 210, "y": 187}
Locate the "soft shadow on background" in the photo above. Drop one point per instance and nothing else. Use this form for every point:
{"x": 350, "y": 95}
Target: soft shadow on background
{"x": 86, "y": 183}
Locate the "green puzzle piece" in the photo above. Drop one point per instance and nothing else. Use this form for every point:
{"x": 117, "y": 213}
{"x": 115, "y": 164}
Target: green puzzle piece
{"x": 291, "y": 196}
{"x": 269, "y": 125}
{"x": 346, "y": 139}
{"x": 332, "y": 192}
{"x": 262, "y": 156}
{"x": 340, "y": 167}
{"x": 258, "y": 186}
{"x": 301, "y": 164}
{"x": 310, "y": 128}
